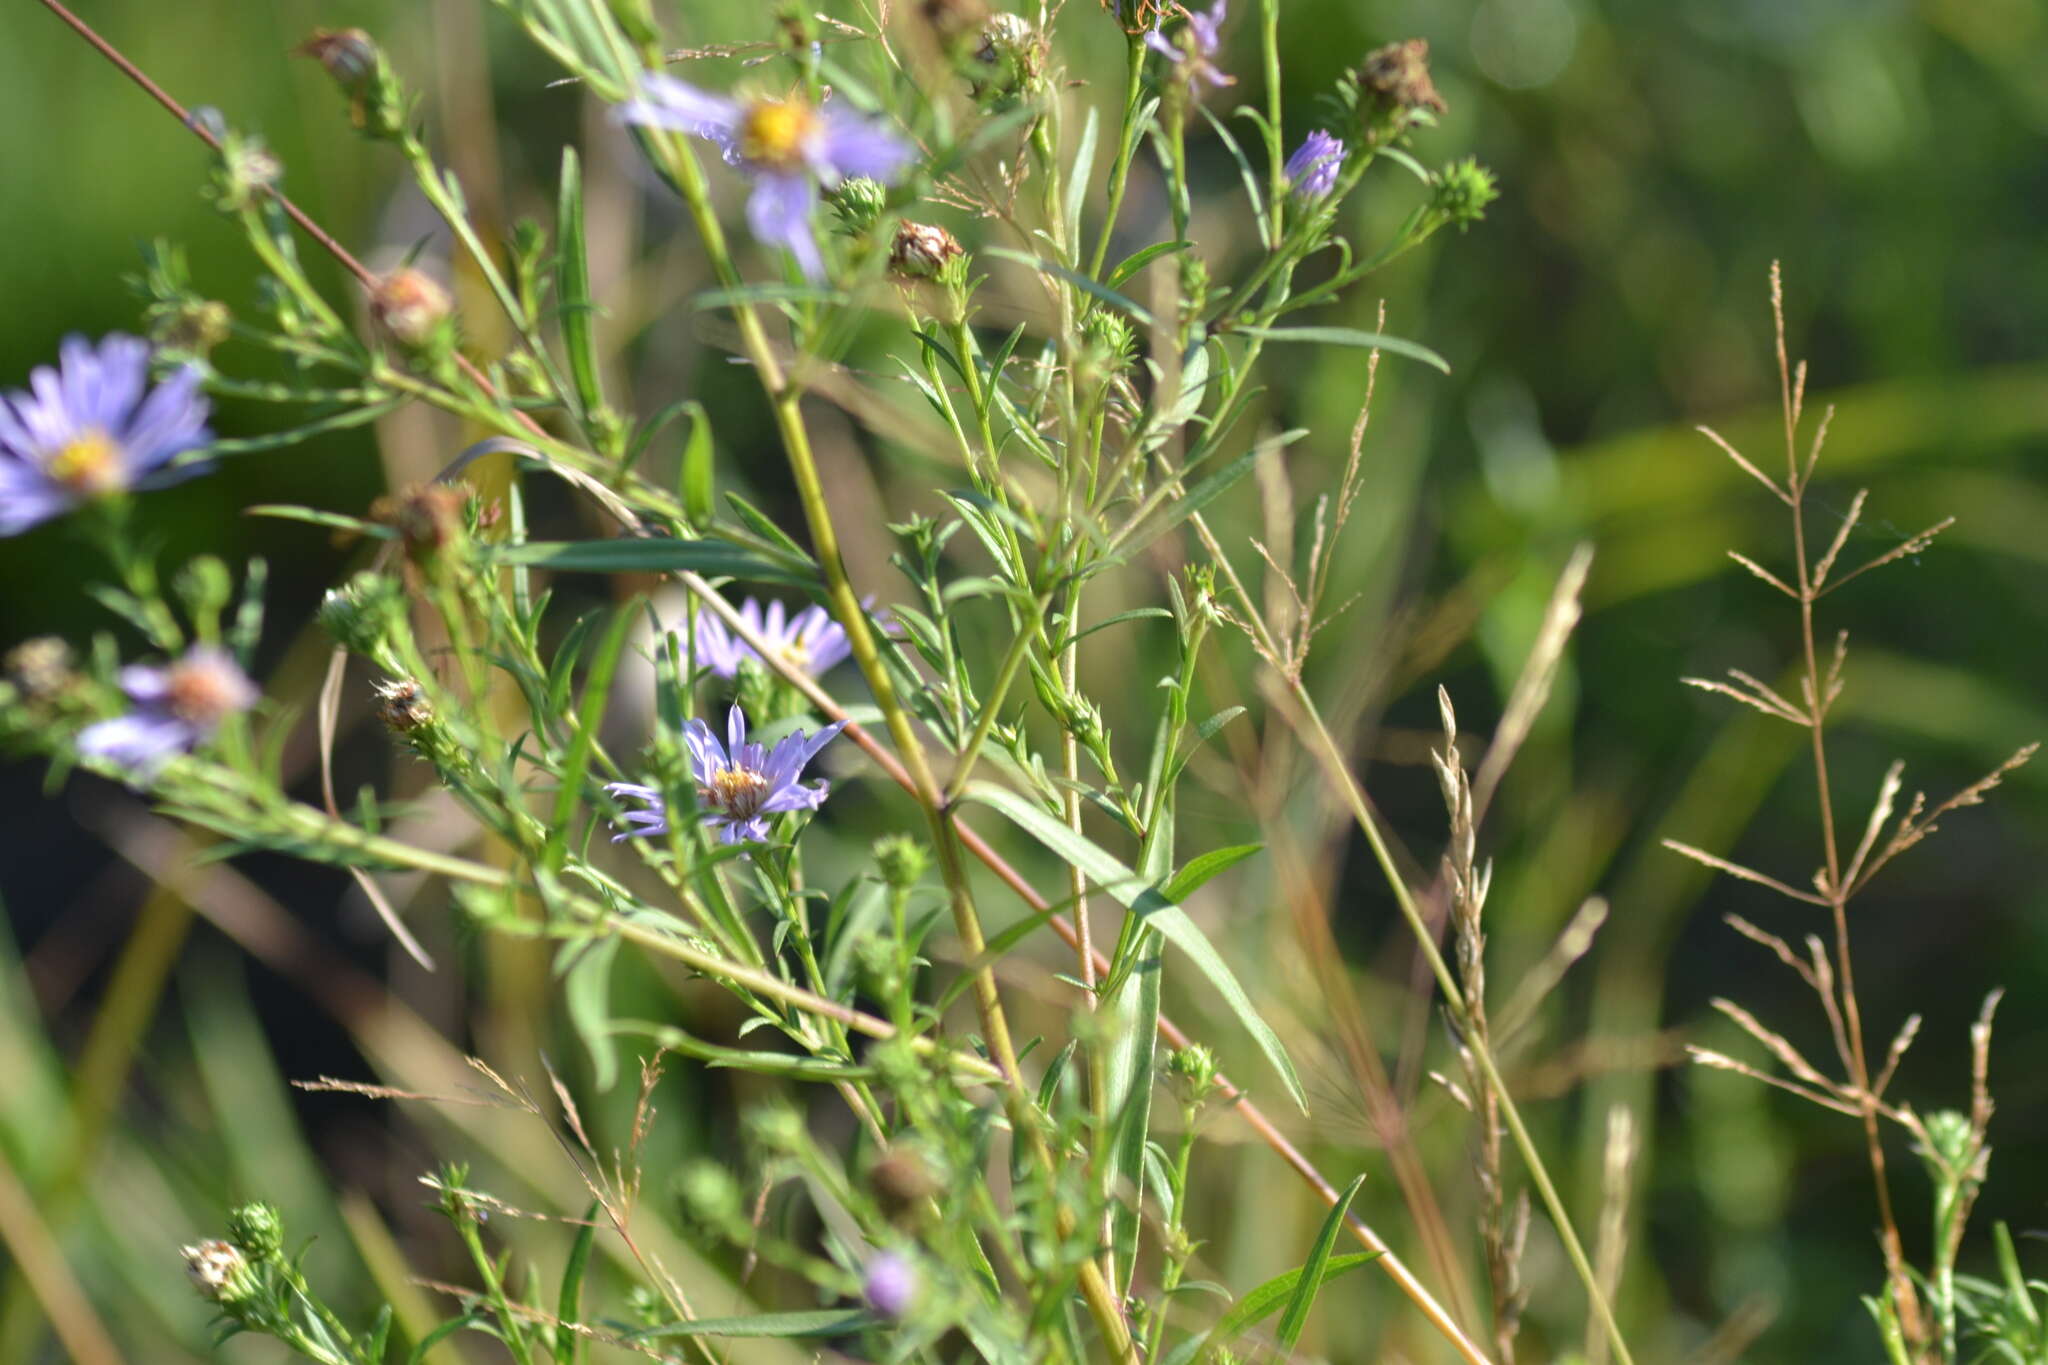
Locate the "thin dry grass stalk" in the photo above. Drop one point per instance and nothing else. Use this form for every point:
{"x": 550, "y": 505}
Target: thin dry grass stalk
{"x": 1858, "y": 1092}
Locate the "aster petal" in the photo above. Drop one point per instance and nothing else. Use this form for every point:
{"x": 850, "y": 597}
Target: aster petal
{"x": 666, "y": 102}
{"x": 736, "y": 736}
{"x": 1207, "y": 27}
{"x": 795, "y": 796}
{"x": 145, "y": 684}
{"x": 779, "y": 213}
{"x": 142, "y": 742}
{"x": 28, "y": 497}
{"x": 1164, "y": 48}
{"x": 171, "y": 420}
{"x": 855, "y": 145}
{"x": 706, "y": 754}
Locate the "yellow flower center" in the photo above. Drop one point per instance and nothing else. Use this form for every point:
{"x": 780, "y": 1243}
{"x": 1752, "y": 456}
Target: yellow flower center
{"x": 88, "y": 463}
{"x": 797, "y": 654}
{"x": 774, "y": 132}
{"x": 737, "y": 791}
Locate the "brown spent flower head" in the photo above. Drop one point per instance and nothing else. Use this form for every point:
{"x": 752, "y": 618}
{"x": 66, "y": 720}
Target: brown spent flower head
{"x": 921, "y": 250}
{"x": 411, "y": 305}
{"x": 428, "y": 516}
{"x": 348, "y": 54}
{"x": 1396, "y": 77}
{"x": 219, "y": 1270}
{"x": 901, "y": 1180}
{"x": 403, "y": 706}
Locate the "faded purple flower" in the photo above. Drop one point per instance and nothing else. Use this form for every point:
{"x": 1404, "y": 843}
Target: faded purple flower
{"x": 1312, "y": 170}
{"x": 92, "y": 425}
{"x": 739, "y": 784}
{"x": 1196, "y": 44}
{"x": 810, "y": 640}
{"x": 788, "y": 146}
{"x": 890, "y": 1286}
{"x": 175, "y": 708}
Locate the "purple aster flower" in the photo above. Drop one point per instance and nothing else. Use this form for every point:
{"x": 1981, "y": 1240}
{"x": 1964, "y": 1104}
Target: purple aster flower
{"x": 811, "y": 640}
{"x": 175, "y": 708}
{"x": 890, "y": 1286}
{"x": 739, "y": 785}
{"x": 1312, "y": 170}
{"x": 92, "y": 426}
{"x": 1198, "y": 43}
{"x": 788, "y": 146}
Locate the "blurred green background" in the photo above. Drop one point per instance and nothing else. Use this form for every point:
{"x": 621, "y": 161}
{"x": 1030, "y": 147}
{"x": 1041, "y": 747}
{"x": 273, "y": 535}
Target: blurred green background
{"x": 1654, "y": 159}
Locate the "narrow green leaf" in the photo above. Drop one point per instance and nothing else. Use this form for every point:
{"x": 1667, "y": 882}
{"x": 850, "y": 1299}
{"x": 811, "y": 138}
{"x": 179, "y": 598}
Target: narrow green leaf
{"x": 572, "y": 286}
{"x": 1138, "y": 260}
{"x": 442, "y": 1333}
{"x": 1075, "y": 278}
{"x": 761, "y": 525}
{"x": 597, "y": 687}
{"x": 315, "y": 517}
{"x": 1156, "y": 911}
{"x": 1352, "y": 336}
{"x": 1078, "y": 176}
{"x": 628, "y": 554}
{"x": 697, "y": 466}
{"x": 587, "y": 993}
{"x": 768, "y": 293}
{"x": 569, "y": 1343}
{"x": 1263, "y": 1301}
{"x": 1135, "y": 614}
{"x": 1201, "y": 869}
{"x": 1311, "y": 1279}
{"x": 824, "y": 1322}
{"x": 1133, "y": 1058}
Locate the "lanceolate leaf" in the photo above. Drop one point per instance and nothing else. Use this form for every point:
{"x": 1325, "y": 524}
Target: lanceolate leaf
{"x": 1157, "y": 912}
{"x": 1351, "y": 336}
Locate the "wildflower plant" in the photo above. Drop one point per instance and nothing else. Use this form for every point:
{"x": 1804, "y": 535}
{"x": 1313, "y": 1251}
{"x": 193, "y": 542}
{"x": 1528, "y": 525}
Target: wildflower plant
{"x": 941, "y": 241}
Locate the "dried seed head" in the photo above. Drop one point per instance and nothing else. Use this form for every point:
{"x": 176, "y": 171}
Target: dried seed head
{"x": 921, "y": 250}
{"x": 428, "y": 517}
{"x": 1396, "y": 77}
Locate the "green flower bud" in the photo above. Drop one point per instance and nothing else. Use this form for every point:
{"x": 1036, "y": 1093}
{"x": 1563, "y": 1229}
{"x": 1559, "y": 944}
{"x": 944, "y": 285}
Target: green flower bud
{"x": 365, "y": 615}
{"x": 1191, "y": 1071}
{"x": 257, "y": 1229}
{"x": 777, "y": 1128}
{"x": 710, "y": 1193}
{"x": 1461, "y": 191}
{"x": 1112, "y": 345}
{"x": 901, "y": 860}
{"x": 859, "y": 203}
